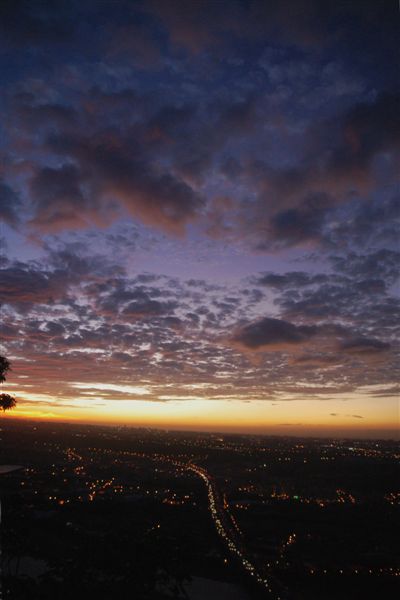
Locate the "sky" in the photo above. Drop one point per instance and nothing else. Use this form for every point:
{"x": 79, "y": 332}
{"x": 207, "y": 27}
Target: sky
{"x": 200, "y": 211}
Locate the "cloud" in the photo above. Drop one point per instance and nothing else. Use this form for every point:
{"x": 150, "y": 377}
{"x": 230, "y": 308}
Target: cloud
{"x": 380, "y": 264}
{"x": 298, "y": 23}
{"x": 146, "y": 307}
{"x": 25, "y": 284}
{"x": 363, "y": 346}
{"x": 110, "y": 170}
{"x": 33, "y": 115}
{"x": 59, "y": 198}
{"x": 386, "y": 392}
{"x": 22, "y": 23}
{"x": 54, "y": 328}
{"x": 78, "y": 262}
{"x": 10, "y": 204}
{"x": 186, "y": 24}
{"x": 357, "y": 289}
{"x": 257, "y": 129}
{"x": 98, "y": 316}
{"x": 337, "y": 164}
{"x": 293, "y": 279}
{"x": 367, "y": 223}
{"x": 272, "y": 334}
{"x": 22, "y": 284}
{"x": 352, "y": 416}
{"x": 101, "y": 144}
{"x": 312, "y": 361}
{"x": 296, "y": 225}
{"x": 366, "y": 130}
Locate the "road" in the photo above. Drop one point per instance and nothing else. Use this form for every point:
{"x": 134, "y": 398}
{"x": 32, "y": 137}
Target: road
{"x": 226, "y": 533}
{"x": 268, "y": 583}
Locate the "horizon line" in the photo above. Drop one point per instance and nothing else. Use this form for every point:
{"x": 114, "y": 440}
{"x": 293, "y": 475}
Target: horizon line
{"x": 394, "y": 434}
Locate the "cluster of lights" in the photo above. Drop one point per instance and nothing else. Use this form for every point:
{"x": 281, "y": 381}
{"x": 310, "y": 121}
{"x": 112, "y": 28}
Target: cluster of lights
{"x": 388, "y": 571}
{"x": 393, "y": 498}
{"x": 223, "y": 532}
{"x": 342, "y": 497}
{"x": 220, "y": 509}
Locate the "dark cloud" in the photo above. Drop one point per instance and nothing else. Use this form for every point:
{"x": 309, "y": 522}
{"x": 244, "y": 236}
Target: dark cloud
{"x": 23, "y": 284}
{"x": 337, "y": 165}
{"x": 48, "y": 115}
{"x": 204, "y": 25}
{"x": 54, "y": 328}
{"x": 270, "y": 333}
{"x": 296, "y": 225}
{"x": 111, "y": 169}
{"x": 146, "y": 307}
{"x": 126, "y": 296}
{"x": 24, "y": 23}
{"x": 59, "y": 198}
{"x": 77, "y": 261}
{"x": 10, "y": 204}
{"x": 366, "y": 130}
{"x": 149, "y": 148}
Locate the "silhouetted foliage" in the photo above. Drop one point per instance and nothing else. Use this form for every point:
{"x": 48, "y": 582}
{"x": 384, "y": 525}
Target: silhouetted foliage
{"x": 4, "y": 367}
{"x": 6, "y": 401}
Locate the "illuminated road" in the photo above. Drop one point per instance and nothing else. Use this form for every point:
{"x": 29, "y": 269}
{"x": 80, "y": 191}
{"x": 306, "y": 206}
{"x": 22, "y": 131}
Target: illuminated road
{"x": 218, "y": 515}
{"x": 221, "y": 518}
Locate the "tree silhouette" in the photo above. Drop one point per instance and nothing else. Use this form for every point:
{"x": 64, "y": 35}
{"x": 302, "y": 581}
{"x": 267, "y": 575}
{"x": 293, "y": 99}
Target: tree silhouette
{"x": 6, "y": 401}
{"x": 4, "y": 367}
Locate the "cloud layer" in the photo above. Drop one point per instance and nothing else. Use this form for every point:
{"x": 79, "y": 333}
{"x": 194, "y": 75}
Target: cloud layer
{"x": 200, "y": 199}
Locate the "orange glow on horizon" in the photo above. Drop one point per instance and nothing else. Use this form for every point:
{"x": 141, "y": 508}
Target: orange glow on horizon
{"x": 301, "y": 417}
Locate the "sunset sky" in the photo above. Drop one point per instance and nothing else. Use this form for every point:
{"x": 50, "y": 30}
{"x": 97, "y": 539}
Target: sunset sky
{"x": 200, "y": 213}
